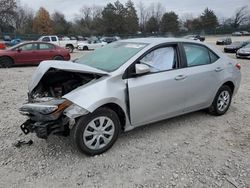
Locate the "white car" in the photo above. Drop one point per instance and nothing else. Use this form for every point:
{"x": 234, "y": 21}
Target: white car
{"x": 65, "y": 42}
{"x": 91, "y": 45}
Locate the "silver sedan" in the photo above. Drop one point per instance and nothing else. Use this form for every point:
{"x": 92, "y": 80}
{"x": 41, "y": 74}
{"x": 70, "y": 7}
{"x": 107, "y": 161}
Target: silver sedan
{"x": 126, "y": 84}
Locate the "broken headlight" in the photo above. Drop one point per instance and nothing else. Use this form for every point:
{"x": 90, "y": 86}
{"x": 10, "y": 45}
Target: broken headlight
{"x": 45, "y": 108}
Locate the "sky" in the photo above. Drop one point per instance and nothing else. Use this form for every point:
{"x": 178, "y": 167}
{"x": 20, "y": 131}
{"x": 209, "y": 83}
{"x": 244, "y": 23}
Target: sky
{"x": 222, "y": 8}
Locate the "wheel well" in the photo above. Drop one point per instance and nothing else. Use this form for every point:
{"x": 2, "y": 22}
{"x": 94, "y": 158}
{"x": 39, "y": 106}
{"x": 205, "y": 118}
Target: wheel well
{"x": 67, "y": 45}
{"x": 117, "y": 109}
{"x": 9, "y": 58}
{"x": 230, "y": 85}
{"x": 58, "y": 56}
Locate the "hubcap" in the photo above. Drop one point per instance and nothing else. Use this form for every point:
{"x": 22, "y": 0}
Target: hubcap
{"x": 223, "y": 100}
{"x": 98, "y": 133}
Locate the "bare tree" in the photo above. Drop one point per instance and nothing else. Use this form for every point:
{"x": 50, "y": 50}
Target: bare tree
{"x": 144, "y": 15}
{"x": 159, "y": 11}
{"x": 7, "y": 13}
{"x": 23, "y": 18}
{"x": 241, "y": 16}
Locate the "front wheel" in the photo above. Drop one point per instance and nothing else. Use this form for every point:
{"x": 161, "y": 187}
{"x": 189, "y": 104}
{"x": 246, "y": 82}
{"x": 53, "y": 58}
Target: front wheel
{"x": 5, "y": 62}
{"x": 221, "y": 101}
{"x": 96, "y": 132}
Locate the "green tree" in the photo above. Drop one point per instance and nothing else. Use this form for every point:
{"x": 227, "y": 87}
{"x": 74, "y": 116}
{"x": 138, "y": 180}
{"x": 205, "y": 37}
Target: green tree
{"x": 152, "y": 25}
{"x": 42, "y": 23}
{"x": 208, "y": 19}
{"x": 131, "y": 18}
{"x": 169, "y": 23}
{"x": 113, "y": 16}
{"x": 60, "y": 24}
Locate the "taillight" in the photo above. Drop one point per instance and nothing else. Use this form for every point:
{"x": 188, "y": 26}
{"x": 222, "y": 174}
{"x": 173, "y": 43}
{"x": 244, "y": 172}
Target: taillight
{"x": 238, "y": 66}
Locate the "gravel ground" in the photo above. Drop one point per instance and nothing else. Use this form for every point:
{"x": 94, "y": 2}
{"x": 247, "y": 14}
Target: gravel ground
{"x": 194, "y": 150}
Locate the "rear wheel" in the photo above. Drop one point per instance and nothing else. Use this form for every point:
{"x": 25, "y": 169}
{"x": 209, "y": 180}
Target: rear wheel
{"x": 5, "y": 62}
{"x": 70, "y": 48}
{"x": 58, "y": 57}
{"x": 221, "y": 101}
{"x": 85, "y": 48}
{"x": 96, "y": 132}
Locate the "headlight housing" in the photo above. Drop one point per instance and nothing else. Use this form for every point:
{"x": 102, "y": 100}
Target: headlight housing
{"x": 45, "y": 108}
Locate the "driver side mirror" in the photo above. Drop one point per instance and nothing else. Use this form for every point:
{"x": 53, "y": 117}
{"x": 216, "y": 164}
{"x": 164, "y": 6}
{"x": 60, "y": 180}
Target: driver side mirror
{"x": 19, "y": 50}
{"x": 141, "y": 69}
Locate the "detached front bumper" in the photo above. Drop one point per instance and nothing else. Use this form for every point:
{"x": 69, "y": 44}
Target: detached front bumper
{"x": 44, "y": 129}
{"x": 56, "y": 116}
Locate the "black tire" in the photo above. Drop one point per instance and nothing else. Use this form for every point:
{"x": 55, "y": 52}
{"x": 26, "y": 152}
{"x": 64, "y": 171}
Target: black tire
{"x": 5, "y": 62}
{"x": 77, "y": 133}
{"x": 214, "y": 109}
{"x": 70, "y": 48}
{"x": 85, "y": 48}
{"x": 58, "y": 57}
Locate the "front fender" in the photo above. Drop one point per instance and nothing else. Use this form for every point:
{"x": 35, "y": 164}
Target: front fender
{"x": 107, "y": 90}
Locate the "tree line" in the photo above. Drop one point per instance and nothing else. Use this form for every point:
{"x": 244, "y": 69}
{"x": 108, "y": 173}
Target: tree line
{"x": 113, "y": 19}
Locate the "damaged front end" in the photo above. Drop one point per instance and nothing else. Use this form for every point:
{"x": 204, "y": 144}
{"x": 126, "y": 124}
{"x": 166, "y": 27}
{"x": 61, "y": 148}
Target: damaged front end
{"x": 47, "y": 111}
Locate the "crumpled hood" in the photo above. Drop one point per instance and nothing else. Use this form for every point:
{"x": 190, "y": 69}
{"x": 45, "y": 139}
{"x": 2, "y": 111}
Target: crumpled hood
{"x": 61, "y": 65}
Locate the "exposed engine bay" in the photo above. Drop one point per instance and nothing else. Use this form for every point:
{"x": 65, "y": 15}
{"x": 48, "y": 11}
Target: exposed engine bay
{"x": 47, "y": 111}
{"x": 56, "y": 83}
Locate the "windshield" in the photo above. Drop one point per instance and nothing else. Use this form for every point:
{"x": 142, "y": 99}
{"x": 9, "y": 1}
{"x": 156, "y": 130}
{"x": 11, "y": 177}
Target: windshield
{"x": 111, "y": 56}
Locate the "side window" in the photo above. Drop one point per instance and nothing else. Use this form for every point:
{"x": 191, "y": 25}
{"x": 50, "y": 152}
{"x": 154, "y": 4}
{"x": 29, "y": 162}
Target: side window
{"x": 213, "y": 57}
{"x": 28, "y": 47}
{"x": 45, "y": 39}
{"x": 53, "y": 39}
{"x": 160, "y": 59}
{"x": 45, "y": 47}
{"x": 196, "y": 55}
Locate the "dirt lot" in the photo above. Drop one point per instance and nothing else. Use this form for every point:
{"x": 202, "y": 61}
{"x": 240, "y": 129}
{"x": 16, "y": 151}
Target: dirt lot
{"x": 194, "y": 150}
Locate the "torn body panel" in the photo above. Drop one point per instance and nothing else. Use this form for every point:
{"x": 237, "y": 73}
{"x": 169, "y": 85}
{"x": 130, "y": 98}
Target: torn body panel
{"x": 58, "y": 94}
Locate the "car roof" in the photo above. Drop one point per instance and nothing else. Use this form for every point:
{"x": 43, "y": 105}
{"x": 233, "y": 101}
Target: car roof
{"x": 155, "y": 41}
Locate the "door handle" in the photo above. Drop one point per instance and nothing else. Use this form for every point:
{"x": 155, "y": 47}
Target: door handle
{"x": 218, "y": 69}
{"x": 180, "y": 77}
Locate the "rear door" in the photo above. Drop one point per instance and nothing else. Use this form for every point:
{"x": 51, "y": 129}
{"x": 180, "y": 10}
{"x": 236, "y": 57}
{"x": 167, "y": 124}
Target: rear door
{"x": 160, "y": 93}
{"x": 203, "y": 73}
{"x": 46, "y": 51}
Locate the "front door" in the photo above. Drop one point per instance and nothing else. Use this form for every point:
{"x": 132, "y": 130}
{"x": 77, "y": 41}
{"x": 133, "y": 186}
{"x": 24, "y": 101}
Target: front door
{"x": 26, "y": 54}
{"x": 159, "y": 93}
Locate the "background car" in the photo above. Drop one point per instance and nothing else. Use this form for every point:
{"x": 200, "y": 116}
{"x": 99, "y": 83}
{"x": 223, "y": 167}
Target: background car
{"x": 6, "y": 38}
{"x": 13, "y": 42}
{"x": 32, "y": 53}
{"x": 244, "y": 52}
{"x": 245, "y": 33}
{"x": 236, "y": 34}
{"x": 195, "y": 37}
{"x": 64, "y": 42}
{"x": 108, "y": 39}
{"x": 224, "y": 41}
{"x": 2, "y": 46}
{"x": 232, "y": 48}
{"x": 91, "y": 45}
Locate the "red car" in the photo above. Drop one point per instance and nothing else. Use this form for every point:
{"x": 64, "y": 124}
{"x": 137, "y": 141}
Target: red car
{"x": 2, "y": 46}
{"x": 32, "y": 53}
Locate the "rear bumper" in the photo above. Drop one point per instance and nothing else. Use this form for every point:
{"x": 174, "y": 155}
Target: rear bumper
{"x": 230, "y": 50}
{"x": 240, "y": 55}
